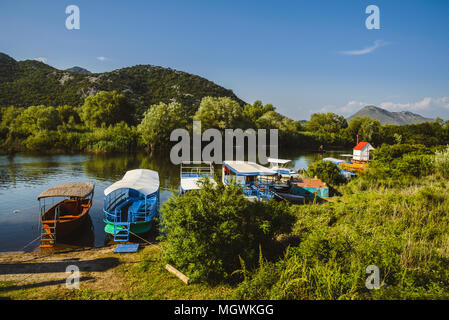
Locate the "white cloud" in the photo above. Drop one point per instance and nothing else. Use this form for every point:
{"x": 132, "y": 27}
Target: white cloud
{"x": 377, "y": 44}
{"x": 428, "y": 107}
{"x": 102, "y": 58}
{"x": 428, "y": 103}
{"x": 352, "y": 107}
{"x": 41, "y": 59}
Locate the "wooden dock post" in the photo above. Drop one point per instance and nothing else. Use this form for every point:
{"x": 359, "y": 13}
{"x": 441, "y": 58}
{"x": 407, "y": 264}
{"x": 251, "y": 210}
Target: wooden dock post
{"x": 177, "y": 273}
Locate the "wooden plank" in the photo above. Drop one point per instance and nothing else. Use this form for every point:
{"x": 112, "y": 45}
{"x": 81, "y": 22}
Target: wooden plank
{"x": 177, "y": 273}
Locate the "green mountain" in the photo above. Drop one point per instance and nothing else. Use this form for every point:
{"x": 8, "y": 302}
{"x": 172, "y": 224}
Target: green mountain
{"x": 78, "y": 70}
{"x": 30, "y": 82}
{"x": 387, "y": 117}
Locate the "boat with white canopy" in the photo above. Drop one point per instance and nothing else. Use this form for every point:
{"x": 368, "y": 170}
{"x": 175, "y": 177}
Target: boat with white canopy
{"x": 254, "y": 179}
{"x": 192, "y": 174}
{"x": 279, "y": 165}
{"x": 131, "y": 204}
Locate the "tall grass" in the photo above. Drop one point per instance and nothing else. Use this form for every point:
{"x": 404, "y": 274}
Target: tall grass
{"x": 402, "y": 229}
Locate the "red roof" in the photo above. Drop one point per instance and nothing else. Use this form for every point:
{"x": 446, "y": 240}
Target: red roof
{"x": 360, "y": 146}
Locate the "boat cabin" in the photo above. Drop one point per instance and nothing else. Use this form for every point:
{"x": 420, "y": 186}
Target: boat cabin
{"x": 252, "y": 177}
{"x": 66, "y": 216}
{"x": 280, "y": 166}
{"x": 310, "y": 187}
{"x": 361, "y": 151}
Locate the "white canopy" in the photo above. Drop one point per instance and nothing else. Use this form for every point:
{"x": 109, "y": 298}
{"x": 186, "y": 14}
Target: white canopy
{"x": 193, "y": 183}
{"x": 247, "y": 168}
{"x": 143, "y": 180}
{"x": 279, "y": 161}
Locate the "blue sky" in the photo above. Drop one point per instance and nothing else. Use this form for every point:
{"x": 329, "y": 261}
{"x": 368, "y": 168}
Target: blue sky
{"x": 293, "y": 54}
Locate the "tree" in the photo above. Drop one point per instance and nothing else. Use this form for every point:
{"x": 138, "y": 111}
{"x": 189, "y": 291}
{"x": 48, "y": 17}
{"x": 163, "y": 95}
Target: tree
{"x": 366, "y": 127}
{"x": 106, "y": 107}
{"x": 326, "y": 171}
{"x": 326, "y": 123}
{"x": 159, "y": 121}
{"x": 37, "y": 118}
{"x": 219, "y": 113}
{"x": 253, "y": 112}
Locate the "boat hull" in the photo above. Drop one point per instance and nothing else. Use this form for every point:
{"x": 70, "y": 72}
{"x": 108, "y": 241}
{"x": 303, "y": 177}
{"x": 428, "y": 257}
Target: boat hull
{"x": 135, "y": 227}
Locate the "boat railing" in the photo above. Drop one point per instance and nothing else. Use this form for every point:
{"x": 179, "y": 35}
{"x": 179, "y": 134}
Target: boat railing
{"x": 205, "y": 169}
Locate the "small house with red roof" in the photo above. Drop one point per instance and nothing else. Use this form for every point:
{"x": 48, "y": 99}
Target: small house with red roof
{"x": 361, "y": 151}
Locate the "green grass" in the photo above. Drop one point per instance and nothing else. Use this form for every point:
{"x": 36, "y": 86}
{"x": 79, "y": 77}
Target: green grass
{"x": 404, "y": 230}
{"x": 144, "y": 277}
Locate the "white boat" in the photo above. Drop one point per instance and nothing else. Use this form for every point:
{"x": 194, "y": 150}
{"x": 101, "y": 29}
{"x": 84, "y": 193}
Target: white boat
{"x": 279, "y": 166}
{"x": 255, "y": 180}
{"x": 193, "y": 172}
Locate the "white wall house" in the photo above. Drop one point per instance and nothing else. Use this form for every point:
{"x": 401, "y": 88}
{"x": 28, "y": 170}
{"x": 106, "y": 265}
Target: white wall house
{"x": 361, "y": 151}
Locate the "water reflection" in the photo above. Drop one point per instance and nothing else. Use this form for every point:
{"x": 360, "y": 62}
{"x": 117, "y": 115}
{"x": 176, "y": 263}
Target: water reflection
{"x": 23, "y": 177}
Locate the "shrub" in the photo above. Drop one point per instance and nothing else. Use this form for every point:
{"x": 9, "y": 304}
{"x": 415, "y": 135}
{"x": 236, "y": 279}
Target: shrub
{"x": 115, "y": 138}
{"x": 326, "y": 171}
{"x": 441, "y": 162}
{"x": 208, "y": 231}
{"x": 415, "y": 165}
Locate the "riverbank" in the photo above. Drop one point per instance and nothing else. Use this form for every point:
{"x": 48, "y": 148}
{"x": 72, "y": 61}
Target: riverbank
{"x": 103, "y": 275}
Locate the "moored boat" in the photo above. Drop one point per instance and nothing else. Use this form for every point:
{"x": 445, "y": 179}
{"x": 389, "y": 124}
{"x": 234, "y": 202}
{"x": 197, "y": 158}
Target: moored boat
{"x": 65, "y": 217}
{"x": 131, "y": 204}
{"x": 192, "y": 173}
{"x": 254, "y": 179}
{"x": 279, "y": 166}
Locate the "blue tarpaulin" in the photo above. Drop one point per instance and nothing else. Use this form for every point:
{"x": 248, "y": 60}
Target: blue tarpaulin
{"x": 121, "y": 248}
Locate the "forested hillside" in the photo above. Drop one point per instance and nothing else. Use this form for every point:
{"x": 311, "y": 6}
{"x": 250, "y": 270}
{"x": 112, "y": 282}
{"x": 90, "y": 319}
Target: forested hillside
{"x": 30, "y": 82}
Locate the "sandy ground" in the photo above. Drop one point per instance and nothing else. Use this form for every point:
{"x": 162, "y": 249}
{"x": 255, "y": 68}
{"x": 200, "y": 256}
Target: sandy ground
{"x": 48, "y": 269}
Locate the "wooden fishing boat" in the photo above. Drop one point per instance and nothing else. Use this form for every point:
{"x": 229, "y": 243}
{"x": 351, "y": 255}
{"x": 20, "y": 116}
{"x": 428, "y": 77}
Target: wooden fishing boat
{"x": 65, "y": 217}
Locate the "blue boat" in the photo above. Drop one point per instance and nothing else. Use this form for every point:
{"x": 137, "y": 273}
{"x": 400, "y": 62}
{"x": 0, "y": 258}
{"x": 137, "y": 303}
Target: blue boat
{"x": 255, "y": 180}
{"x": 345, "y": 173}
{"x": 131, "y": 204}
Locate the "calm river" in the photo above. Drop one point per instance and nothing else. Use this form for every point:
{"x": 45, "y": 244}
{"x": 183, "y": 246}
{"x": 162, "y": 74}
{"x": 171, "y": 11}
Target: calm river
{"x": 23, "y": 177}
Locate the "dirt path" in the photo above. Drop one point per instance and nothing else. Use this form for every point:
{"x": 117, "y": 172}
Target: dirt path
{"x": 48, "y": 270}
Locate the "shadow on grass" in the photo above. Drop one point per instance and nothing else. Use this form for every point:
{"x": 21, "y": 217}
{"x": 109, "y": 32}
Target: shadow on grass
{"x": 96, "y": 265}
{"x": 39, "y": 284}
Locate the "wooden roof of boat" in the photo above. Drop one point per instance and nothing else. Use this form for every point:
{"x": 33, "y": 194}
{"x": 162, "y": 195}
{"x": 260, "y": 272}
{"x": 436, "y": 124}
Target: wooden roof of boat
{"x": 71, "y": 189}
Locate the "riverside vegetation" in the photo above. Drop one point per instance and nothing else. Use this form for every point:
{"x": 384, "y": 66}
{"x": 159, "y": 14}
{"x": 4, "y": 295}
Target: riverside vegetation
{"x": 111, "y": 122}
{"x": 394, "y": 216}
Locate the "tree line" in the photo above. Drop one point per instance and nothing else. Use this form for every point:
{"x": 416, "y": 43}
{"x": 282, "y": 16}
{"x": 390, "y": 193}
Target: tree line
{"x": 110, "y": 122}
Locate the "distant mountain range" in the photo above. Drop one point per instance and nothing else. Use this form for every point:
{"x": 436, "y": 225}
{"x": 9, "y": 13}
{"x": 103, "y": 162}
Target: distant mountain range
{"x": 78, "y": 70}
{"x": 30, "y": 82}
{"x": 387, "y": 117}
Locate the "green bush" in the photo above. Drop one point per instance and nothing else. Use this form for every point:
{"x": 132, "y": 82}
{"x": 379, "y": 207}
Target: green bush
{"x": 441, "y": 162}
{"x": 415, "y": 165}
{"x": 208, "y": 231}
{"x": 326, "y": 171}
{"x": 387, "y": 153}
{"x": 115, "y": 138}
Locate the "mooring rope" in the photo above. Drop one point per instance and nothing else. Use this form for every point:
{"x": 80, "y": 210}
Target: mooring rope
{"x": 151, "y": 244}
{"x": 30, "y": 243}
